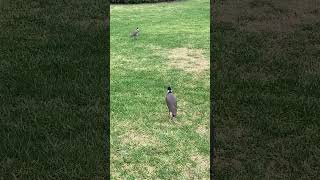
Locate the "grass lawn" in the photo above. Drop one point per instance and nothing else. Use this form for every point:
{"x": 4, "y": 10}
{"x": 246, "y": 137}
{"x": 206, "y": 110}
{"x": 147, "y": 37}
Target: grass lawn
{"x": 53, "y": 74}
{"x": 268, "y": 58}
{"x": 173, "y": 49}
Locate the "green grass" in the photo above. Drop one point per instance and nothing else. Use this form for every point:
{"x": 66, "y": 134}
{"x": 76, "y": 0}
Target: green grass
{"x": 268, "y": 90}
{"x": 53, "y": 66}
{"x": 144, "y": 143}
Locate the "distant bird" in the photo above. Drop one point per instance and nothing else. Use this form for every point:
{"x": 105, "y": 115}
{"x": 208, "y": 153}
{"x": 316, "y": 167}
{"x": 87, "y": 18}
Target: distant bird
{"x": 135, "y": 33}
{"x": 171, "y": 103}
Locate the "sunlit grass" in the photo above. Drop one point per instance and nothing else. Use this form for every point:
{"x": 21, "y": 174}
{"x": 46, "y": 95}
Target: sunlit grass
{"x": 144, "y": 143}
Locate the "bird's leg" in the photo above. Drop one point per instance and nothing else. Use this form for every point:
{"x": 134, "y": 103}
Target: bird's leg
{"x": 173, "y": 118}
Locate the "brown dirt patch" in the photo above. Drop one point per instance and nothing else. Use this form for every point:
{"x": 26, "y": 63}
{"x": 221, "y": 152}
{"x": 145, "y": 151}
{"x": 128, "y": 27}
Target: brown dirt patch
{"x": 189, "y": 60}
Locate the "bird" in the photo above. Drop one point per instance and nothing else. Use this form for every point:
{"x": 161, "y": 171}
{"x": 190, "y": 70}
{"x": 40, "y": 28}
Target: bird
{"x": 135, "y": 33}
{"x": 171, "y": 103}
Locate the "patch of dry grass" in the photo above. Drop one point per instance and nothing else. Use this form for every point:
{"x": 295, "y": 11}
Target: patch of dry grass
{"x": 189, "y": 60}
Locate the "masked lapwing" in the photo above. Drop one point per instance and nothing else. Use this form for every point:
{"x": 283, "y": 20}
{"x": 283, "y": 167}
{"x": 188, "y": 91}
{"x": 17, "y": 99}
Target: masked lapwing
{"x": 135, "y": 33}
{"x": 171, "y": 103}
